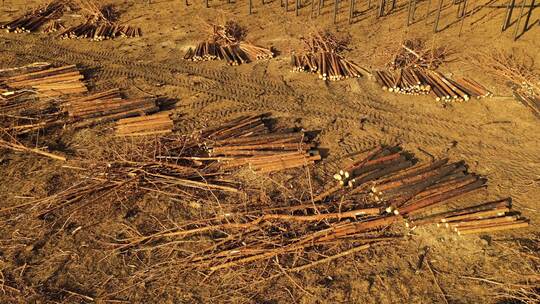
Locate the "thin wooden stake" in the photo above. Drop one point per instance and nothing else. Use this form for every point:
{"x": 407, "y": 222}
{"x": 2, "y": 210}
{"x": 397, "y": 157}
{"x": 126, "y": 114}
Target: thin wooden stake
{"x": 516, "y": 31}
{"x": 436, "y": 25}
{"x": 463, "y": 14}
{"x": 336, "y": 7}
{"x": 297, "y": 6}
{"x": 351, "y": 11}
{"x": 250, "y": 6}
{"x": 508, "y": 17}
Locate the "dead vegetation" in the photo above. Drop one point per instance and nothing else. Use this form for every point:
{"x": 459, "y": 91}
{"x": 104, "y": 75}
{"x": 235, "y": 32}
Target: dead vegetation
{"x": 101, "y": 22}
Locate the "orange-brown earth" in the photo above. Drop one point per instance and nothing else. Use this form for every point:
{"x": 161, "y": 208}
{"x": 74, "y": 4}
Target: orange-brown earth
{"x": 498, "y": 137}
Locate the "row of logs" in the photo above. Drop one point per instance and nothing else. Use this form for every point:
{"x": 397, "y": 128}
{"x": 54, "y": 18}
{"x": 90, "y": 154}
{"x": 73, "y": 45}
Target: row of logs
{"x": 155, "y": 124}
{"x": 416, "y": 81}
{"x": 247, "y": 141}
{"x": 328, "y": 65}
{"x": 99, "y": 31}
{"x": 47, "y": 81}
{"x": 484, "y": 217}
{"x": 233, "y": 54}
{"x": 33, "y": 21}
{"x": 107, "y": 106}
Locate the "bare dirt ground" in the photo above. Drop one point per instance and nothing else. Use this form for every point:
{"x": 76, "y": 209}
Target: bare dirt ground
{"x": 498, "y": 137}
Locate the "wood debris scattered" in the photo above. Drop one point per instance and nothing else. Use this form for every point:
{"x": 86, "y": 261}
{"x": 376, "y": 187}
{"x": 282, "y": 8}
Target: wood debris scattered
{"x": 227, "y": 42}
{"x": 322, "y": 56}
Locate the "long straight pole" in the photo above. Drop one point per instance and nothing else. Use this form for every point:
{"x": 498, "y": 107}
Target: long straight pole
{"x": 436, "y": 25}
{"x": 463, "y": 14}
{"x": 508, "y": 17}
{"x": 428, "y": 11}
{"x": 381, "y": 8}
{"x": 516, "y": 31}
{"x": 250, "y": 6}
{"x": 297, "y": 6}
{"x": 336, "y": 8}
{"x": 351, "y": 11}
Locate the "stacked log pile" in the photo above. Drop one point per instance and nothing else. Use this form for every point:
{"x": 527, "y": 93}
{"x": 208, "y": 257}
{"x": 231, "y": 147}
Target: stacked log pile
{"x": 480, "y": 218}
{"x": 322, "y": 56}
{"x": 154, "y": 124}
{"x": 247, "y": 141}
{"x": 101, "y": 22}
{"x": 413, "y": 71}
{"x": 227, "y": 43}
{"x": 105, "y": 107}
{"x": 100, "y": 30}
{"x": 418, "y": 81}
{"x": 36, "y": 19}
{"x": 46, "y": 81}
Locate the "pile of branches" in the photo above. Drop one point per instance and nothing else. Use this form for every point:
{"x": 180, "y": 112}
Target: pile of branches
{"x": 419, "y": 81}
{"x": 227, "y": 42}
{"x": 322, "y": 55}
{"x": 101, "y": 22}
{"x": 175, "y": 165}
{"x": 414, "y": 53}
{"x": 518, "y": 70}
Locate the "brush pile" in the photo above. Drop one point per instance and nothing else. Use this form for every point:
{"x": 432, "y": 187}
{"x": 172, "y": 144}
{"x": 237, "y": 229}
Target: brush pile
{"x": 101, "y": 23}
{"x": 37, "y": 19}
{"x": 484, "y": 217}
{"x": 227, "y": 43}
{"x": 517, "y": 69}
{"x": 418, "y": 81}
{"x": 414, "y": 53}
{"x": 322, "y": 56}
{"x": 247, "y": 141}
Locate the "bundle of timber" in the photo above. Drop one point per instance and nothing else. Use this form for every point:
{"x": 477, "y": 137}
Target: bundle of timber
{"x": 45, "y": 80}
{"x": 418, "y": 81}
{"x": 389, "y": 178}
{"x": 227, "y": 43}
{"x": 101, "y": 23}
{"x": 322, "y": 57}
{"x": 36, "y": 19}
{"x": 484, "y": 217}
{"x": 100, "y": 30}
{"x": 154, "y": 124}
{"x": 246, "y": 141}
{"x": 105, "y": 107}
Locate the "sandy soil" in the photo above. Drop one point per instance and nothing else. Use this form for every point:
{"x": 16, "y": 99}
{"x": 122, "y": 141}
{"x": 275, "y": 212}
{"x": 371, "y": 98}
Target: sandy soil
{"x": 498, "y": 137}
